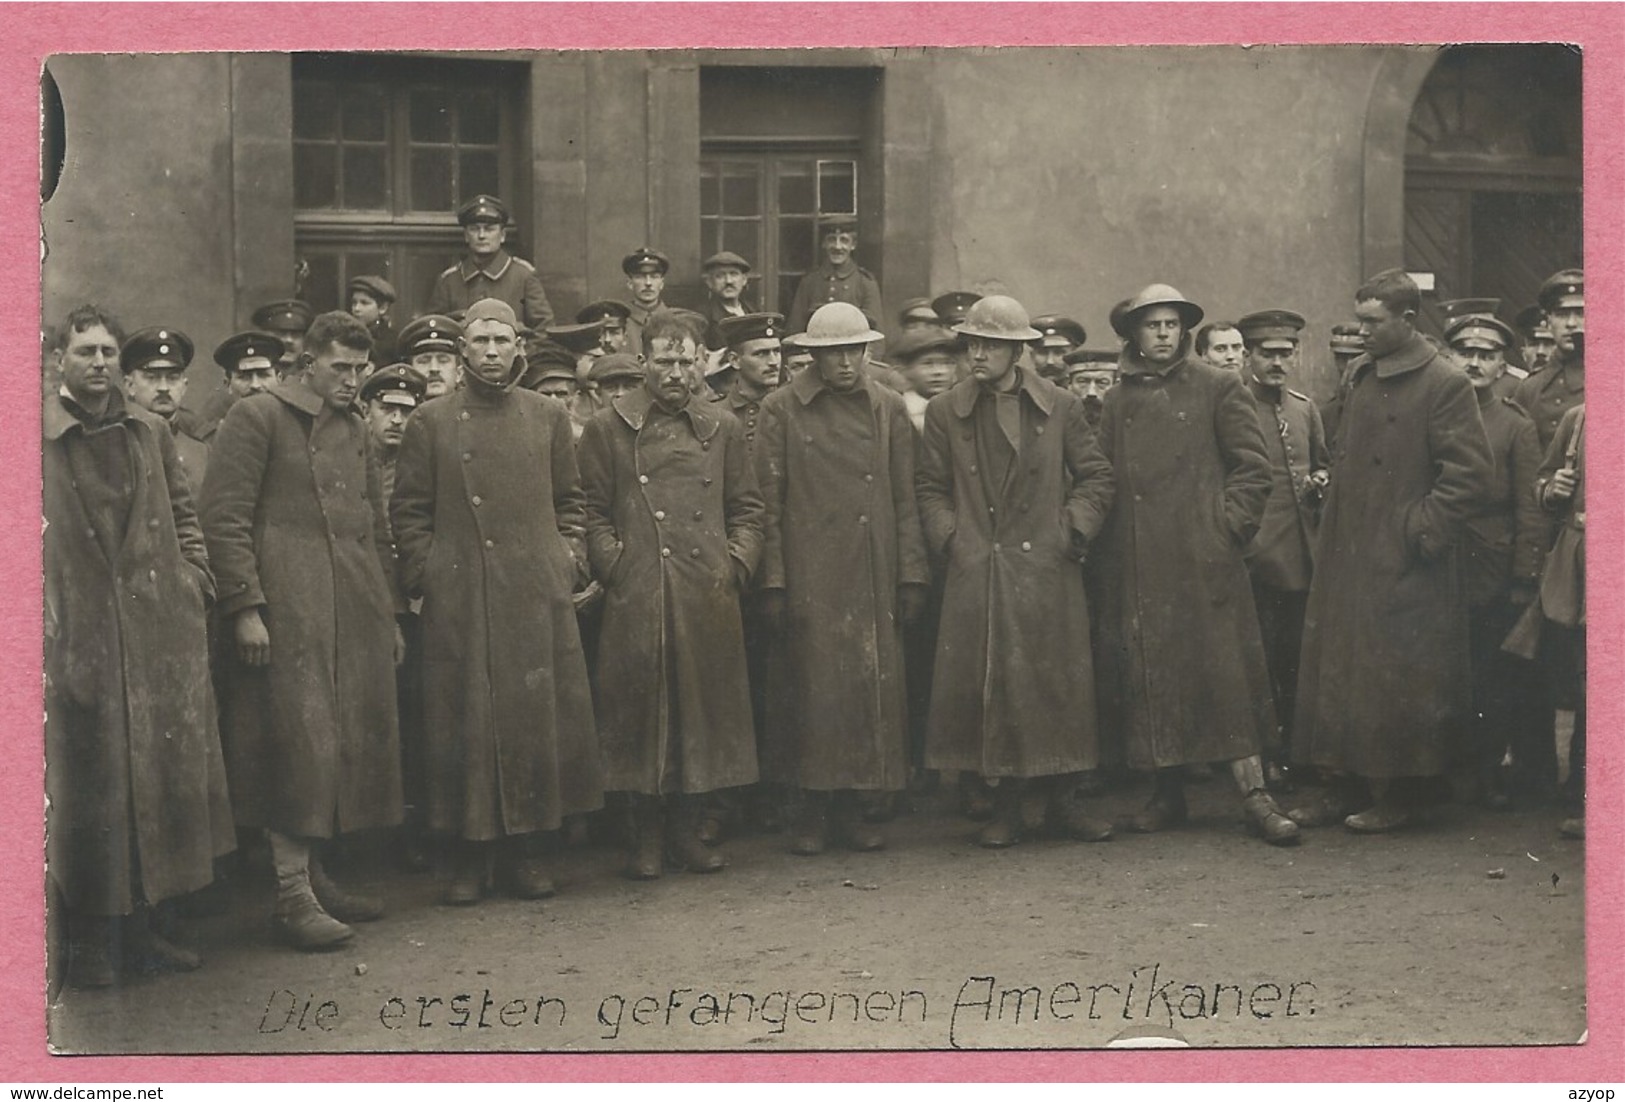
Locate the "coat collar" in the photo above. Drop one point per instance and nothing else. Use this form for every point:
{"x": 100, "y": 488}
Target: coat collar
{"x": 964, "y": 393}
{"x": 294, "y": 391}
{"x": 494, "y": 270}
{"x": 1415, "y": 353}
{"x": 809, "y": 384}
{"x": 57, "y": 419}
{"x": 634, "y": 406}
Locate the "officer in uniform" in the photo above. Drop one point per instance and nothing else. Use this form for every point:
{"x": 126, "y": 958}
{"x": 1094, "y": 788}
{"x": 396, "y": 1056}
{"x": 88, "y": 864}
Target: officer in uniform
{"x": 154, "y": 363}
{"x": 646, "y": 270}
{"x": 837, "y": 278}
{"x": 1048, "y": 353}
{"x": 1535, "y": 341}
{"x": 286, "y": 319}
{"x": 429, "y": 346}
{"x": 1456, "y": 309}
{"x": 1553, "y": 392}
{"x": 488, "y": 271}
{"x": 1502, "y": 546}
{"x": 1280, "y": 558}
{"x": 612, "y": 316}
{"x": 369, "y": 299}
{"x": 725, "y": 274}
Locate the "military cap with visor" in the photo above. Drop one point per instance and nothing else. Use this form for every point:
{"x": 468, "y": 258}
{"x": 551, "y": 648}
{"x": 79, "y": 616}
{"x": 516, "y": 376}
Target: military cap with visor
{"x": 430, "y": 333}
{"x": 603, "y": 309}
{"x": 1058, "y": 331}
{"x": 736, "y": 330}
{"x": 1271, "y": 325}
{"x": 395, "y": 385}
{"x": 1531, "y": 322}
{"x": 645, "y": 259}
{"x": 289, "y": 315}
{"x": 1560, "y": 285}
{"x": 483, "y": 208}
{"x": 155, "y": 347}
{"x": 580, "y": 338}
{"x": 1091, "y": 357}
{"x": 1480, "y": 329}
{"x": 951, "y": 307}
{"x": 249, "y": 345}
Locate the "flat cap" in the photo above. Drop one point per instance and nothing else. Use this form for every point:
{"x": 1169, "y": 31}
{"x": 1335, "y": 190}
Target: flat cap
{"x": 1091, "y": 357}
{"x": 951, "y": 307}
{"x": 491, "y": 309}
{"x": 616, "y": 365}
{"x": 377, "y": 286}
{"x": 483, "y": 208}
{"x": 603, "y": 308}
{"x": 725, "y": 259}
{"x": 1059, "y": 331}
{"x": 1485, "y": 328}
{"x": 750, "y": 327}
{"x": 395, "y": 385}
{"x": 645, "y": 258}
{"x": 1531, "y": 322}
{"x": 911, "y": 346}
{"x": 430, "y": 333}
{"x": 1271, "y": 325}
{"x": 579, "y": 338}
{"x": 289, "y": 315}
{"x": 155, "y": 348}
{"x": 249, "y": 345}
{"x": 1570, "y": 281}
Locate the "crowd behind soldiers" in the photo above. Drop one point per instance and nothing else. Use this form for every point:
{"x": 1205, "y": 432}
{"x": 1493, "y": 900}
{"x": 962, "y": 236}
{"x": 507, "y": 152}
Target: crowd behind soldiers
{"x": 736, "y": 574}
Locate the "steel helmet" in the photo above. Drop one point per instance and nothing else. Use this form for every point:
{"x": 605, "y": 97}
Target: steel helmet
{"x": 1158, "y": 294}
{"x": 999, "y": 318}
{"x": 837, "y": 323}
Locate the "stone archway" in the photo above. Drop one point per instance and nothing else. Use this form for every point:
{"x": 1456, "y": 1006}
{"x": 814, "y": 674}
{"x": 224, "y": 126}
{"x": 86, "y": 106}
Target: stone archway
{"x": 1394, "y": 90}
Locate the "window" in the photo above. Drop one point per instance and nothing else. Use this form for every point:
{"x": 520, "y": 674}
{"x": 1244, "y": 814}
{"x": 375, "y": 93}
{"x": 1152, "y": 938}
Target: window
{"x": 765, "y": 208}
{"x": 384, "y": 150}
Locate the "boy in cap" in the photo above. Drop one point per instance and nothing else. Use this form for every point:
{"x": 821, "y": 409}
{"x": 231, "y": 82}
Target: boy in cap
{"x": 930, "y": 358}
{"x": 369, "y": 299}
{"x": 725, "y": 278}
{"x": 429, "y": 346}
{"x": 837, "y": 277}
{"x": 487, "y": 270}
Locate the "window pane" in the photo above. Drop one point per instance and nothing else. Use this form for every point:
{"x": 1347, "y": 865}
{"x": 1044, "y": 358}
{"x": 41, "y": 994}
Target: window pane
{"x": 741, "y": 237}
{"x": 741, "y": 194}
{"x": 322, "y": 287}
{"x": 710, "y": 191}
{"x": 708, "y": 236}
{"x": 366, "y": 263}
{"x": 364, "y": 113}
{"x": 796, "y": 188}
{"x": 795, "y": 244}
{"x": 479, "y": 174}
{"x": 315, "y": 109}
{"x": 787, "y": 292}
{"x": 431, "y": 179}
{"x": 365, "y": 187}
{"x": 431, "y": 115}
{"x": 837, "y": 187}
{"x": 477, "y": 117}
{"x": 315, "y": 176}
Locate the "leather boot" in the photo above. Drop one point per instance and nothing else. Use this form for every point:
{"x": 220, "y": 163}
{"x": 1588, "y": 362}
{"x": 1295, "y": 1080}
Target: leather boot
{"x": 857, "y": 831}
{"x": 683, "y": 838}
{"x": 809, "y": 828}
{"x": 346, "y": 906}
{"x": 1004, "y": 829}
{"x": 1166, "y": 807}
{"x": 1069, "y": 816}
{"x": 1266, "y": 817}
{"x": 148, "y": 953}
{"x": 92, "y": 951}
{"x": 467, "y": 883}
{"x": 527, "y": 868}
{"x": 644, "y": 861}
{"x": 1382, "y": 817}
{"x": 299, "y": 920}
{"x": 975, "y": 798}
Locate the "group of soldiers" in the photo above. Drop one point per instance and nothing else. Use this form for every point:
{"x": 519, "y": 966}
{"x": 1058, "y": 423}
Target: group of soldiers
{"x": 484, "y": 571}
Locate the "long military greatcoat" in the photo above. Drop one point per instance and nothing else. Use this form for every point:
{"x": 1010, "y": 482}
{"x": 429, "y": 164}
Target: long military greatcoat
{"x": 487, "y": 513}
{"x": 1504, "y": 537}
{"x": 1384, "y": 665}
{"x": 294, "y": 517}
{"x": 1013, "y": 693}
{"x": 132, "y": 752}
{"x": 1186, "y": 676}
{"x": 842, "y": 532}
{"x": 672, "y": 506}
{"x": 1282, "y": 554}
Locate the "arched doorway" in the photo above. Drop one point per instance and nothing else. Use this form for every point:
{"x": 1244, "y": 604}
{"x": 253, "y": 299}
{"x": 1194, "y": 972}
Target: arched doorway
{"x": 1493, "y": 173}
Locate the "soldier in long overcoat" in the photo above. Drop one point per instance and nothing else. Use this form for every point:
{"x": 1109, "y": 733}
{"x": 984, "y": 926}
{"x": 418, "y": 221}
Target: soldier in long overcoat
{"x": 1186, "y": 676}
{"x": 843, "y": 565}
{"x": 1383, "y": 680}
{"x": 293, "y": 512}
{"x": 674, "y": 531}
{"x": 134, "y": 774}
{"x": 1012, "y": 489}
{"x": 487, "y": 514}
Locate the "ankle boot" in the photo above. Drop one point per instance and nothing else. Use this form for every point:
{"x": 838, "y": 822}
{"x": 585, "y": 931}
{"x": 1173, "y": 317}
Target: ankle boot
{"x": 1004, "y": 829}
{"x": 299, "y": 921}
{"x": 346, "y": 906}
{"x": 467, "y": 883}
{"x": 644, "y": 862}
{"x": 1267, "y": 819}
{"x": 809, "y": 829}
{"x": 527, "y": 868}
{"x": 149, "y": 953}
{"x": 1166, "y": 807}
{"x": 683, "y": 837}
{"x": 857, "y": 830}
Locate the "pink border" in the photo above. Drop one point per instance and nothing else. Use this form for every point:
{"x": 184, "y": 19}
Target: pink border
{"x": 37, "y": 30}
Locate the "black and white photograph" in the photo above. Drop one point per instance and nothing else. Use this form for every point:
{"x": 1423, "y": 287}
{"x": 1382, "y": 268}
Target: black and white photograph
{"x": 823, "y": 549}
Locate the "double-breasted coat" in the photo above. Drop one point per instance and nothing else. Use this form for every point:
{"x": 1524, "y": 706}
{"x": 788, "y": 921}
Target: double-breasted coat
{"x": 1282, "y": 554}
{"x": 842, "y": 532}
{"x": 1503, "y": 538}
{"x": 1186, "y": 678}
{"x": 487, "y": 512}
{"x": 294, "y": 516}
{"x": 673, "y": 519}
{"x": 1013, "y": 691}
{"x": 1383, "y": 674}
{"x": 132, "y": 751}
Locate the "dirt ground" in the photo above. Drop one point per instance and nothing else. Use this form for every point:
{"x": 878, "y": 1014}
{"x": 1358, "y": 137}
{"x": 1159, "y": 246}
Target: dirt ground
{"x": 1204, "y": 932}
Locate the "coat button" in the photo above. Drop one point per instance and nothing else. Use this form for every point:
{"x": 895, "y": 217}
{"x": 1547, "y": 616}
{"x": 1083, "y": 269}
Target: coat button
{"x": 698, "y": 515}
{"x": 477, "y": 499}
{"x": 1026, "y": 546}
{"x": 490, "y": 543}
{"x": 463, "y": 416}
{"x": 665, "y": 552}
{"x": 973, "y": 468}
{"x": 863, "y": 520}
{"x": 467, "y": 456}
{"x": 868, "y": 478}
{"x": 643, "y": 479}
{"x": 660, "y": 514}
{"x": 996, "y": 547}
{"x": 694, "y": 553}
{"x": 703, "y": 481}
{"x": 1039, "y": 430}
{"x": 90, "y": 533}
{"x": 152, "y": 523}
{"x": 152, "y": 575}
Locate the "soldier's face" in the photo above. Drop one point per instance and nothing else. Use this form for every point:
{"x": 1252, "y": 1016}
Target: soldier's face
{"x": 1269, "y": 361}
{"x": 611, "y": 389}
{"x": 556, "y": 387}
{"x": 797, "y": 362}
{"x": 613, "y": 336}
{"x": 726, "y": 282}
{"x": 1567, "y": 321}
{"x": 440, "y": 368}
{"x": 670, "y": 365}
{"x": 1483, "y": 361}
{"x": 1382, "y": 331}
{"x": 839, "y": 246}
{"x": 760, "y": 362}
{"x": 1049, "y": 360}
{"x": 386, "y": 421}
{"x": 484, "y": 238}
{"x": 364, "y": 308}
{"x": 646, "y": 287}
{"x": 841, "y": 366}
{"x": 86, "y": 363}
{"x": 157, "y": 388}
{"x": 1225, "y": 349}
{"x": 489, "y": 348}
{"x": 1091, "y": 384}
{"x": 335, "y": 373}
{"x": 251, "y": 376}
{"x": 1537, "y": 351}
{"x": 932, "y": 373}
{"x": 992, "y": 361}
{"x": 1157, "y": 335}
